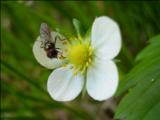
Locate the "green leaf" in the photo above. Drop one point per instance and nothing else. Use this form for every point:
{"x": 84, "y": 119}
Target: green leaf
{"x": 143, "y": 86}
{"x": 152, "y": 50}
{"x": 46, "y": 103}
{"x": 23, "y": 76}
{"x": 78, "y": 27}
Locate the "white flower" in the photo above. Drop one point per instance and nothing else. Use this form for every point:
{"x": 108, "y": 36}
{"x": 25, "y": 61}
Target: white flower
{"x": 89, "y": 64}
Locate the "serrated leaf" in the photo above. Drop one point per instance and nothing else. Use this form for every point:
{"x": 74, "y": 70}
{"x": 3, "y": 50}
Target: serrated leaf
{"x": 143, "y": 86}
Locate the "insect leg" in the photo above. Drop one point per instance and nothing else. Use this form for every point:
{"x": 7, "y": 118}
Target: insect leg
{"x": 42, "y": 45}
{"x": 58, "y": 37}
{"x": 60, "y": 55}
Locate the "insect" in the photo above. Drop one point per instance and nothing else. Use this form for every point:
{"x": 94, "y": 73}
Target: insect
{"x": 47, "y": 42}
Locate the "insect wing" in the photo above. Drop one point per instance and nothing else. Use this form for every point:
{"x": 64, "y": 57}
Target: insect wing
{"x": 45, "y": 32}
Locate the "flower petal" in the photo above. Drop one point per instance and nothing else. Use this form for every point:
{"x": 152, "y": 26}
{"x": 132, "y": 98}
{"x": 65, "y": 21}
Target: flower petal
{"x": 61, "y": 42}
{"x": 102, "y": 79}
{"x": 41, "y": 56}
{"x": 105, "y": 38}
{"x": 63, "y": 85}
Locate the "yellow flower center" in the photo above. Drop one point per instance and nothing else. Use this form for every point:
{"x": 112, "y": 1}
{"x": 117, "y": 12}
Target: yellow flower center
{"x": 80, "y": 56}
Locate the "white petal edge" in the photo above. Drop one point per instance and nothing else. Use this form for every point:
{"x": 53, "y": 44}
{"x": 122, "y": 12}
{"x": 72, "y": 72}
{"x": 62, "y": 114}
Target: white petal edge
{"x": 41, "y": 55}
{"x": 62, "y": 85}
{"x": 105, "y": 38}
{"x": 102, "y": 79}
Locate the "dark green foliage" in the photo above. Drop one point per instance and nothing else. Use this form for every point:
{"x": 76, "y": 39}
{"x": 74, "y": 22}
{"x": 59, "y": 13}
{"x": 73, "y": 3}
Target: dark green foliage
{"x": 143, "y": 84}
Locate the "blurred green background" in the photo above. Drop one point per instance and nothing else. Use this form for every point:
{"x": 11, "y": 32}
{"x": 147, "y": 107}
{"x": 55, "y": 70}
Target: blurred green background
{"x": 23, "y": 80}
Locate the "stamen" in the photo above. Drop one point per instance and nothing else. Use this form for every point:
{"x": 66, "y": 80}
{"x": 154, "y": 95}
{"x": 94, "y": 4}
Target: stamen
{"x": 83, "y": 70}
{"x": 64, "y": 65}
{"x": 87, "y": 64}
{"x": 89, "y": 60}
{"x": 90, "y": 51}
{"x": 76, "y": 71}
{"x": 80, "y": 55}
{"x": 65, "y": 42}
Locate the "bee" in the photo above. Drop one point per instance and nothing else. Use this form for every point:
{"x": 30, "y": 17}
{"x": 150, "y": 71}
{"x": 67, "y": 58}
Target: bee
{"x": 47, "y": 42}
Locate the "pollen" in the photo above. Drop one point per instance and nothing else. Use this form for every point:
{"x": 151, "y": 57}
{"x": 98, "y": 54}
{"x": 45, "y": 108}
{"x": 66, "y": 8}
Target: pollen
{"x": 80, "y": 56}
{"x": 65, "y": 42}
